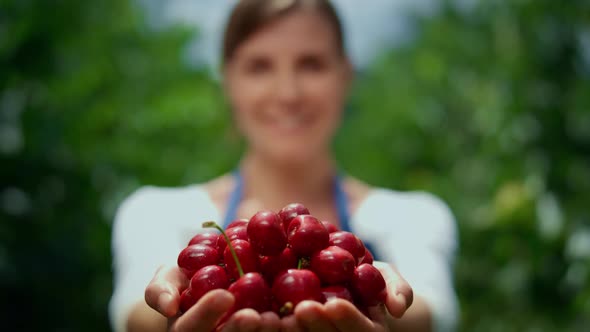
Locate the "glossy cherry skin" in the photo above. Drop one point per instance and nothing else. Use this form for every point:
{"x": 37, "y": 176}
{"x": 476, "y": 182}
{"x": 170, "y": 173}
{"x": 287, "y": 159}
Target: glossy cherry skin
{"x": 291, "y": 211}
{"x": 266, "y": 233}
{"x": 293, "y": 286}
{"x": 333, "y": 265}
{"x": 251, "y": 291}
{"x": 348, "y": 242}
{"x": 271, "y": 266}
{"x": 221, "y": 244}
{"x": 330, "y": 227}
{"x": 246, "y": 256}
{"x": 208, "y": 238}
{"x": 237, "y": 222}
{"x": 208, "y": 278}
{"x": 337, "y": 292}
{"x": 307, "y": 235}
{"x": 237, "y": 232}
{"x": 368, "y": 285}
{"x": 186, "y": 300}
{"x": 368, "y": 258}
{"x": 211, "y": 239}
{"x": 196, "y": 256}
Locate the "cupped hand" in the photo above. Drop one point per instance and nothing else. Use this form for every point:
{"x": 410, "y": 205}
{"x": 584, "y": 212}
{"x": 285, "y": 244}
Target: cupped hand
{"x": 163, "y": 295}
{"x": 339, "y": 315}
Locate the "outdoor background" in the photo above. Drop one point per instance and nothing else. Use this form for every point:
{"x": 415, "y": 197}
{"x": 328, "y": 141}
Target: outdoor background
{"x": 484, "y": 103}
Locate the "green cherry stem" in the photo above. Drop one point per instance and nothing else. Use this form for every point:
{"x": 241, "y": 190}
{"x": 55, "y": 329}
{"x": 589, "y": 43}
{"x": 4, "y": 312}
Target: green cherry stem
{"x": 213, "y": 224}
{"x": 299, "y": 263}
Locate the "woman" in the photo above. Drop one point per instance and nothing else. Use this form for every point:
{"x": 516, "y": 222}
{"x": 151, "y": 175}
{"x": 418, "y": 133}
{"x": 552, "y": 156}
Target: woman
{"x": 286, "y": 75}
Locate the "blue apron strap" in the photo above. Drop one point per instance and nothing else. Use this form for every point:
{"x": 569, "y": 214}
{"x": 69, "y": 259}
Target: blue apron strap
{"x": 344, "y": 216}
{"x": 341, "y": 204}
{"x": 234, "y": 200}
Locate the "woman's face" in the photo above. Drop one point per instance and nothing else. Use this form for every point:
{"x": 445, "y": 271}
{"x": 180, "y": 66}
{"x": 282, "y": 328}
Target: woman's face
{"x": 287, "y": 84}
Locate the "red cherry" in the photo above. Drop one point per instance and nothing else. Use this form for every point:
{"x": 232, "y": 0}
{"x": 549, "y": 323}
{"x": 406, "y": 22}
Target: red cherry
{"x": 333, "y": 265}
{"x": 211, "y": 239}
{"x": 221, "y": 245}
{"x": 271, "y": 266}
{"x": 266, "y": 233}
{"x": 293, "y": 286}
{"x": 251, "y": 291}
{"x": 368, "y": 285}
{"x": 237, "y": 232}
{"x": 208, "y": 278}
{"x": 291, "y": 211}
{"x": 246, "y": 255}
{"x": 337, "y": 292}
{"x": 330, "y": 227}
{"x": 186, "y": 300}
{"x": 194, "y": 257}
{"x": 237, "y": 222}
{"x": 350, "y": 243}
{"x": 307, "y": 235}
{"x": 208, "y": 238}
{"x": 368, "y": 258}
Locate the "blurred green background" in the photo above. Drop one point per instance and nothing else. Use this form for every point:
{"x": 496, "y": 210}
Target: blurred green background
{"x": 488, "y": 106}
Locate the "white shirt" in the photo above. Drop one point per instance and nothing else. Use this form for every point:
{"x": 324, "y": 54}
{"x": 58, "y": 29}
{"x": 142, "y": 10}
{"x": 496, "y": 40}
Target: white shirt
{"x": 414, "y": 230}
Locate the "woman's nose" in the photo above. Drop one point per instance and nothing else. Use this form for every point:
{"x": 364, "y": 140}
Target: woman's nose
{"x": 287, "y": 87}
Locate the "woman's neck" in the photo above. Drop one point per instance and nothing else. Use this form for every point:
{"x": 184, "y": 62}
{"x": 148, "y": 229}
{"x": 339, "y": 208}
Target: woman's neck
{"x": 310, "y": 183}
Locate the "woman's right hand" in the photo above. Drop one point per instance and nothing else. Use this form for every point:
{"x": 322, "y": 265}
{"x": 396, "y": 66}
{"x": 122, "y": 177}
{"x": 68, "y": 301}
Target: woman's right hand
{"x": 163, "y": 295}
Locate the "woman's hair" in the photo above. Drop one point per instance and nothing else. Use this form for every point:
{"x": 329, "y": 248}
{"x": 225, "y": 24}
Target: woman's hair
{"x": 248, "y": 16}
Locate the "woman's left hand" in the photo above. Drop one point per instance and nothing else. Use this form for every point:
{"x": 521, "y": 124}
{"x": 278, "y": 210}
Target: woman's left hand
{"x": 341, "y": 315}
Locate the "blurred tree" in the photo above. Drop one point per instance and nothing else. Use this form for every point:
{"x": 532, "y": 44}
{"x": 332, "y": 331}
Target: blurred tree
{"x": 93, "y": 102}
{"x": 489, "y": 107}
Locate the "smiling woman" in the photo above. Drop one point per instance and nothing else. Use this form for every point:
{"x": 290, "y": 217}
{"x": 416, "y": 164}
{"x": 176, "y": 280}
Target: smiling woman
{"x": 287, "y": 89}
{"x": 286, "y": 76}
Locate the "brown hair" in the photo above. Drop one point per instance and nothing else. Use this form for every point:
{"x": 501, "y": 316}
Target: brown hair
{"x": 250, "y": 15}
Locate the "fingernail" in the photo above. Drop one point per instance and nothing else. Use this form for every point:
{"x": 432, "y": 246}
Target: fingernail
{"x": 164, "y": 301}
{"x": 401, "y": 299}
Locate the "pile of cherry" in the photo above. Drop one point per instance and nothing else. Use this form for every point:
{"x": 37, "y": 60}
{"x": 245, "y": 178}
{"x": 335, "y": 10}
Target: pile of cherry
{"x": 274, "y": 261}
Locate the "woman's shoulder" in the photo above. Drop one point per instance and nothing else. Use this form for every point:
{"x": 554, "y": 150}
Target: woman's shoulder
{"x": 158, "y": 196}
{"x": 362, "y": 195}
{"x": 407, "y": 200}
{"x": 179, "y": 203}
{"x": 418, "y": 210}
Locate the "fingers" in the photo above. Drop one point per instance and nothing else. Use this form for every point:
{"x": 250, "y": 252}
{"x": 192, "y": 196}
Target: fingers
{"x": 346, "y": 317}
{"x": 249, "y": 320}
{"x": 312, "y": 317}
{"x": 270, "y": 322}
{"x": 403, "y": 289}
{"x": 162, "y": 293}
{"x": 399, "y": 293}
{"x": 290, "y": 324}
{"x": 396, "y": 305}
{"x": 379, "y": 314}
{"x": 245, "y": 320}
{"x": 204, "y": 315}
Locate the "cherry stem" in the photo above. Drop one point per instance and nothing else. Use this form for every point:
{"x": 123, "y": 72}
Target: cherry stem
{"x": 299, "y": 263}
{"x": 286, "y": 309}
{"x": 213, "y": 224}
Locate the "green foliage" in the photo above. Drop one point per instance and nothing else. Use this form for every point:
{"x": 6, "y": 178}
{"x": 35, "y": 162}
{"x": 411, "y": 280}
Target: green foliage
{"x": 488, "y": 107}
{"x": 93, "y": 103}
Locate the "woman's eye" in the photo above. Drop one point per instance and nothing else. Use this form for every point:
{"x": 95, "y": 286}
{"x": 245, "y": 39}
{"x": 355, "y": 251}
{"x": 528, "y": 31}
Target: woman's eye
{"x": 312, "y": 64}
{"x": 258, "y": 66}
